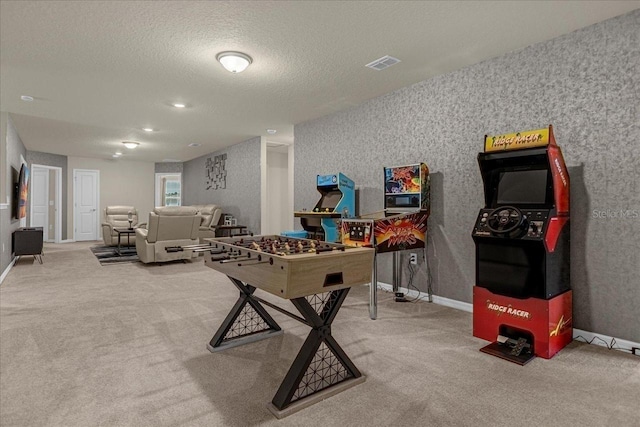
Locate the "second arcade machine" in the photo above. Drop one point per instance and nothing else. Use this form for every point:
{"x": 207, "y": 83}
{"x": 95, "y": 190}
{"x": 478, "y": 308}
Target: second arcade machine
{"x": 400, "y": 226}
{"x": 337, "y": 201}
{"x": 522, "y": 300}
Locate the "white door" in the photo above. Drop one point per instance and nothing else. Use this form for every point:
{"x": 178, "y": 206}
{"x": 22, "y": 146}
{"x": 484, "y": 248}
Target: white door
{"x": 40, "y": 200}
{"x": 86, "y": 197}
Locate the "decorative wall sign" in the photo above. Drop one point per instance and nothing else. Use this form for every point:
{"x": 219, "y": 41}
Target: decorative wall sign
{"x": 216, "y": 172}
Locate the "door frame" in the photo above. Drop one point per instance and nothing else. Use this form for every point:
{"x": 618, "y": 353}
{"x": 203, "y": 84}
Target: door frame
{"x": 58, "y": 215}
{"x": 75, "y": 197}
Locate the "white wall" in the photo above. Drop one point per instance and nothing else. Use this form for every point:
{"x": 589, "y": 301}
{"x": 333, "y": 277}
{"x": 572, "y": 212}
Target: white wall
{"x": 122, "y": 182}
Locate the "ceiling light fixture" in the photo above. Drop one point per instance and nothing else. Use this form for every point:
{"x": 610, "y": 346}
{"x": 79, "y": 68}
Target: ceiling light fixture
{"x": 115, "y": 156}
{"x": 179, "y": 105}
{"x": 194, "y": 144}
{"x": 236, "y": 62}
{"x": 130, "y": 144}
{"x": 26, "y": 98}
{"x": 147, "y": 129}
{"x": 118, "y": 153}
{"x": 271, "y": 131}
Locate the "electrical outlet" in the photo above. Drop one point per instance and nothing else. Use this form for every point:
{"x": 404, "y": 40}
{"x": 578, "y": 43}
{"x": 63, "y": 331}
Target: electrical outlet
{"x": 413, "y": 258}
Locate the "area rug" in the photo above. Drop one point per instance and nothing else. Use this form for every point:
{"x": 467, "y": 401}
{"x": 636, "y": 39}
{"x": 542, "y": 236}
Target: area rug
{"x": 107, "y": 255}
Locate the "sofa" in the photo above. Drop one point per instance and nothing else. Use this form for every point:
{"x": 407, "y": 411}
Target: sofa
{"x": 118, "y": 217}
{"x": 168, "y": 226}
{"x": 211, "y": 215}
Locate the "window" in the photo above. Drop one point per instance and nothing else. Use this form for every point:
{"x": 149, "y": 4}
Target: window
{"x": 168, "y": 189}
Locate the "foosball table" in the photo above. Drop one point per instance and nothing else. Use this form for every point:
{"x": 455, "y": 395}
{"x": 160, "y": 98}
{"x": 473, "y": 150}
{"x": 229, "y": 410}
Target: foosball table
{"x": 316, "y": 277}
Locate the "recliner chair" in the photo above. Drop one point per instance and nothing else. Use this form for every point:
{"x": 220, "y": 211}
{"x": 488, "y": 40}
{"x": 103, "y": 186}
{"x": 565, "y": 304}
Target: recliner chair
{"x": 118, "y": 217}
{"x": 168, "y": 226}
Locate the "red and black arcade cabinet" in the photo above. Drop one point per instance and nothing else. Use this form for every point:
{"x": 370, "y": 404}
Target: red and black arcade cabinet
{"x": 522, "y": 300}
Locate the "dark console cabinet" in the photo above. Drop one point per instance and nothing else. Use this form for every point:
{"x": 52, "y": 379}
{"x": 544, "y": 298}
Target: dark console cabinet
{"x": 28, "y": 241}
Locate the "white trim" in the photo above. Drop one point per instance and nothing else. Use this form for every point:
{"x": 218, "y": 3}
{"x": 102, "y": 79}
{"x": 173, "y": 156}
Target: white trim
{"x": 263, "y": 184}
{"x": 67, "y": 241}
{"x": 595, "y": 338}
{"x": 4, "y": 206}
{"x": 6, "y": 270}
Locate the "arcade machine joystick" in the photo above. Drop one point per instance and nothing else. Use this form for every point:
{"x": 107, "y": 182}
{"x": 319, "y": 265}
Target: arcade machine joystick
{"x": 522, "y": 294}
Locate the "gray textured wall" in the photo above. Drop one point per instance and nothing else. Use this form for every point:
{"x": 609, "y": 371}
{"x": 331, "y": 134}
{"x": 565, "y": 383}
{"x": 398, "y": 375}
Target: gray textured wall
{"x": 169, "y": 167}
{"x": 241, "y": 197}
{"x": 587, "y": 84}
{"x": 47, "y": 159}
{"x": 14, "y": 148}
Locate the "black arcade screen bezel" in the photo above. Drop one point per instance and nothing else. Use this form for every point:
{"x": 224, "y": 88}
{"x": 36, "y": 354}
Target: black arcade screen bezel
{"x": 493, "y": 165}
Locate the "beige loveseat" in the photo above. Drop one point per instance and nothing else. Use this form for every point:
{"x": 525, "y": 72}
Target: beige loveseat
{"x": 210, "y": 217}
{"x": 168, "y": 226}
{"x": 118, "y": 217}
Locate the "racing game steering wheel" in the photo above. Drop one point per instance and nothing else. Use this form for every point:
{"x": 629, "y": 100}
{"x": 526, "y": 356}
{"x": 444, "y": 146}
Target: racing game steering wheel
{"x": 505, "y": 219}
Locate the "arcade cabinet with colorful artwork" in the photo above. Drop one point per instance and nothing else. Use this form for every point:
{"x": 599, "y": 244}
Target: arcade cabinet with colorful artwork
{"x": 337, "y": 201}
{"x": 522, "y": 300}
{"x": 400, "y": 226}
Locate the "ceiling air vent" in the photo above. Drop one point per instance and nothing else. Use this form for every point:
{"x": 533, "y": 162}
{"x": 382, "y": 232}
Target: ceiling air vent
{"x": 382, "y": 63}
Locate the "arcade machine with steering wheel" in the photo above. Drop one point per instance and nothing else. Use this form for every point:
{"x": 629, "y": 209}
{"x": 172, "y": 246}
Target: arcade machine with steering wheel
{"x": 522, "y": 300}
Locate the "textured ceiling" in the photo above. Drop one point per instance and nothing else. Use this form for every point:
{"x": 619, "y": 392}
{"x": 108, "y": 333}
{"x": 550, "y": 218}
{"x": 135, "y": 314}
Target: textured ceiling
{"x": 100, "y": 71}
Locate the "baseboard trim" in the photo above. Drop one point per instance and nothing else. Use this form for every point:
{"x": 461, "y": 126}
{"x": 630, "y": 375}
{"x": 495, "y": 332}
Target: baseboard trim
{"x": 590, "y": 337}
{"x": 6, "y": 270}
{"x": 67, "y": 241}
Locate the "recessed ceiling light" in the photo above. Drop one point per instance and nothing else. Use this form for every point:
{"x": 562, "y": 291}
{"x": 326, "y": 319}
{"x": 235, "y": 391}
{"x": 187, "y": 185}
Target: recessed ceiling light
{"x": 236, "y": 62}
{"x": 26, "y": 98}
{"x": 115, "y": 156}
{"x": 194, "y": 144}
{"x": 148, "y": 129}
{"x": 179, "y": 105}
{"x": 118, "y": 153}
{"x": 130, "y": 144}
{"x": 271, "y": 131}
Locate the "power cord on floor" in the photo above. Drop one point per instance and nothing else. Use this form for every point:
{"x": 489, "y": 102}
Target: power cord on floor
{"x": 610, "y": 345}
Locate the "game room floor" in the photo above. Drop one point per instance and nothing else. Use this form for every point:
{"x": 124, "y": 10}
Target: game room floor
{"x": 84, "y": 345}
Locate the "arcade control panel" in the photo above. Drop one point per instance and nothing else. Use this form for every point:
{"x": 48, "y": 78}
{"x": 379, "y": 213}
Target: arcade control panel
{"x": 527, "y": 224}
{"x": 360, "y": 231}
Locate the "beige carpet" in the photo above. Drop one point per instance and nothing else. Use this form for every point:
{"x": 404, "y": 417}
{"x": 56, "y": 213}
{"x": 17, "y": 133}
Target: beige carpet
{"x": 124, "y": 345}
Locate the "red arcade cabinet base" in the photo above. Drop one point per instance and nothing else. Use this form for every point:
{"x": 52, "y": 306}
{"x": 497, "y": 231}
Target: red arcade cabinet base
{"x": 522, "y": 328}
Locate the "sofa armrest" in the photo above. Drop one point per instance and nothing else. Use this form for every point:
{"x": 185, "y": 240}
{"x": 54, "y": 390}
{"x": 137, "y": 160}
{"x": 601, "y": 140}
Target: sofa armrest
{"x": 142, "y": 225}
{"x": 141, "y": 233}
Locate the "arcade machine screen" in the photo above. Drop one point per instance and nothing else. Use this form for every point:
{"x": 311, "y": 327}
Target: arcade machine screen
{"x": 522, "y": 187}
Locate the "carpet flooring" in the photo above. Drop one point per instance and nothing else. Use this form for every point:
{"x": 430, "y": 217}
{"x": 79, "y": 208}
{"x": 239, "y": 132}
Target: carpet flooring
{"x": 107, "y": 255}
{"x": 126, "y": 346}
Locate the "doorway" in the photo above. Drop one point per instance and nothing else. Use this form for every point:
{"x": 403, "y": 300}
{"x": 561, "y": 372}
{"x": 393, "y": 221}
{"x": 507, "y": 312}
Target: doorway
{"x": 86, "y": 203}
{"x": 277, "y": 202}
{"x": 46, "y": 201}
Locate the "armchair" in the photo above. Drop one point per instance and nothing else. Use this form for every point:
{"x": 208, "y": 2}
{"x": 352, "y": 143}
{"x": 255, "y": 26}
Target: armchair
{"x": 210, "y": 217}
{"x": 168, "y": 226}
{"x": 117, "y": 217}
